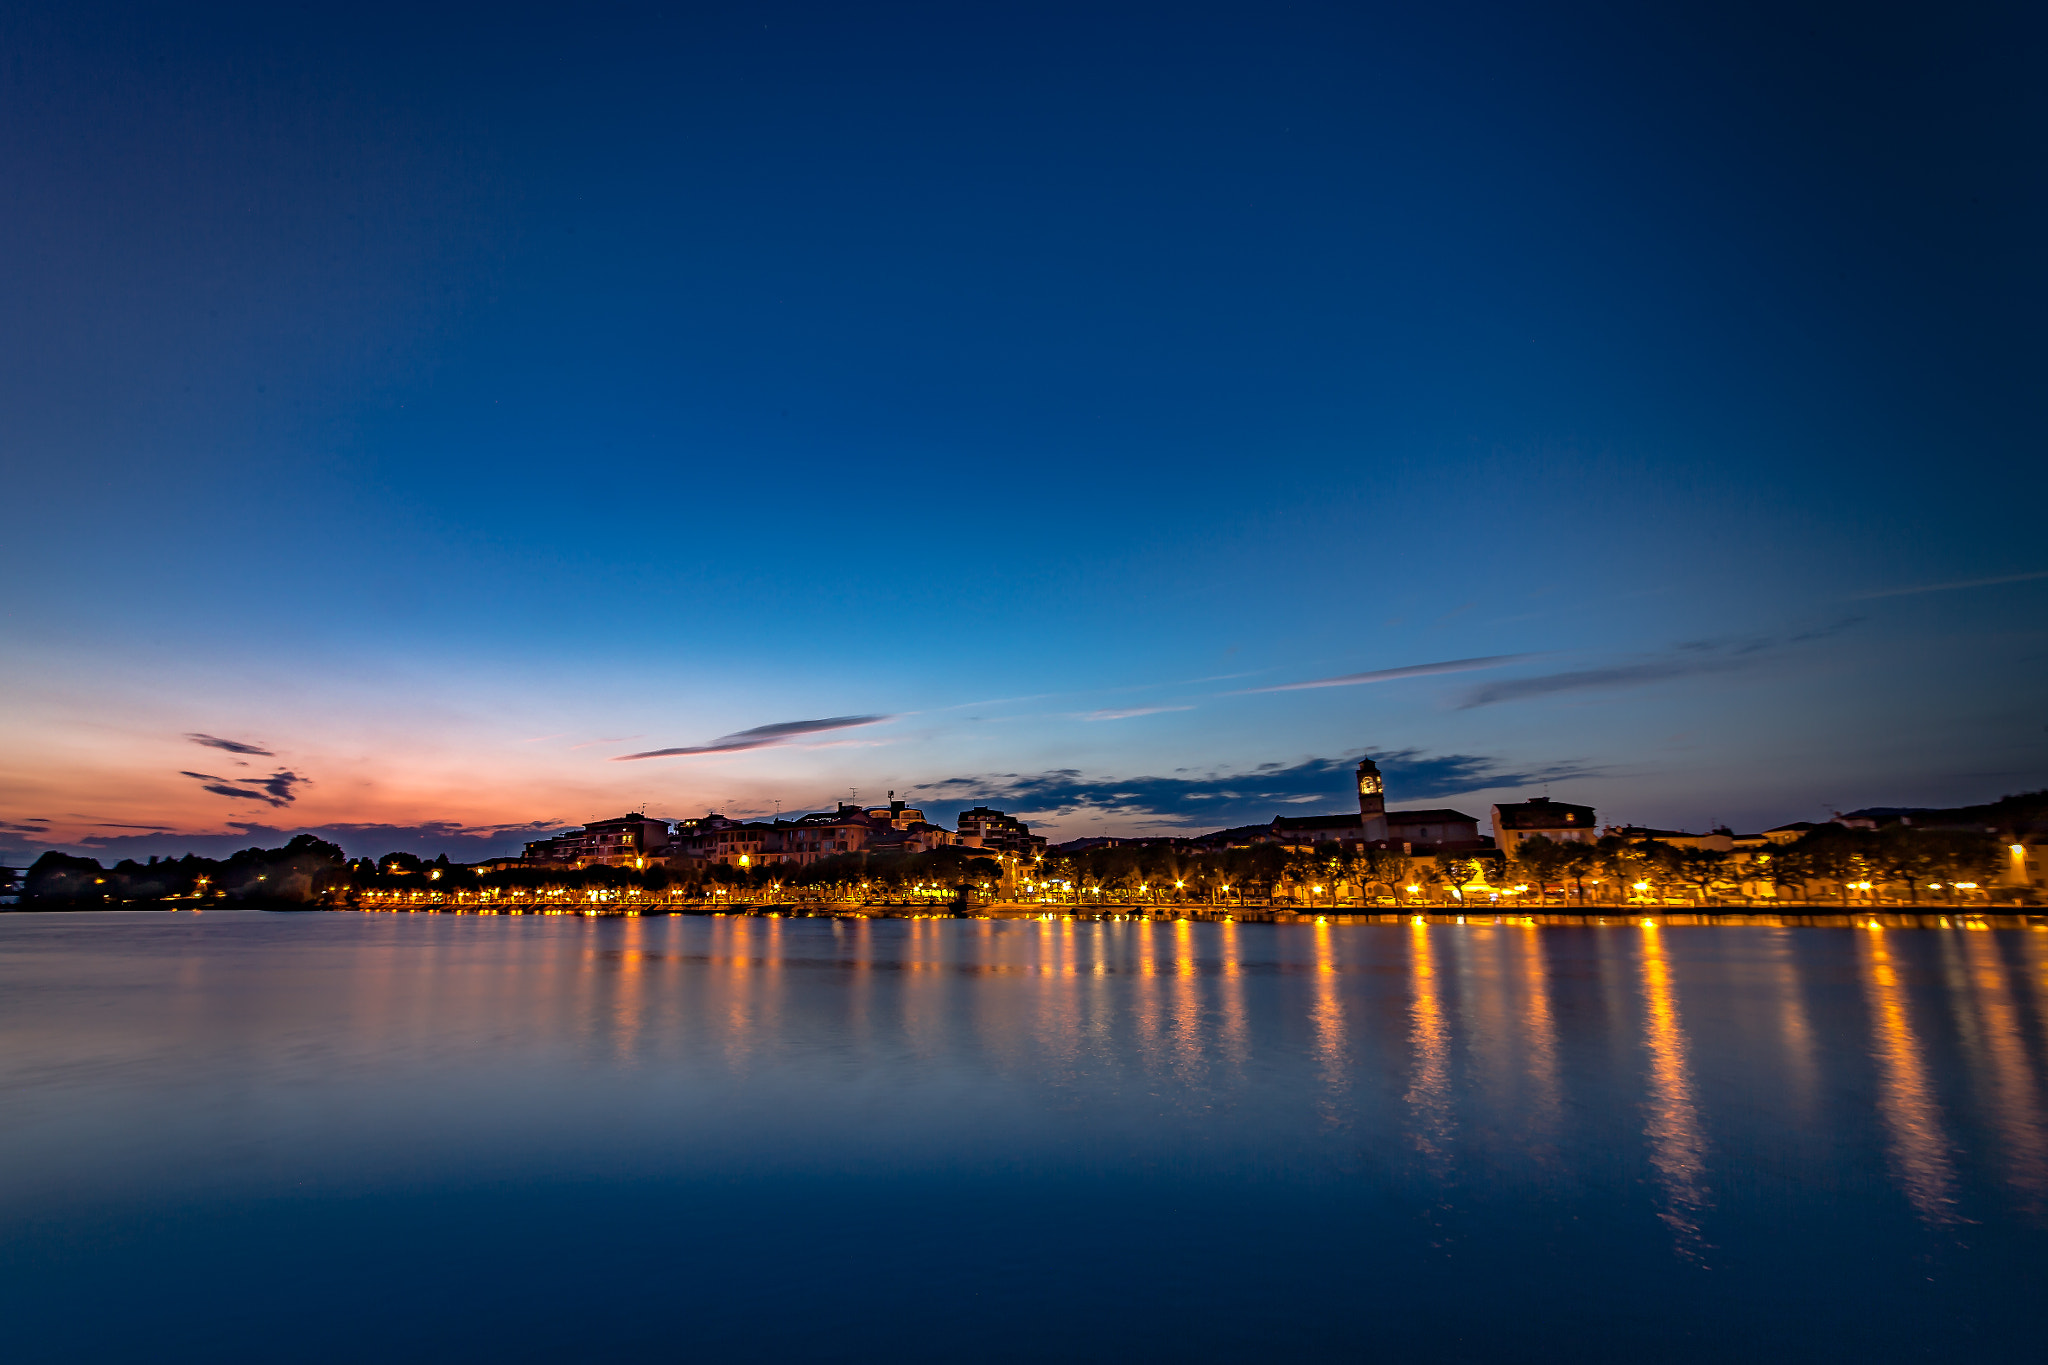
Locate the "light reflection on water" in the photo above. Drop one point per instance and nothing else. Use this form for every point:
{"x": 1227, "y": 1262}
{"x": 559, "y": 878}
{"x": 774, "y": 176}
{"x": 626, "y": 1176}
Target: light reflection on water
{"x": 1677, "y": 1142}
{"x": 1919, "y": 1145}
{"x": 1646, "y": 1142}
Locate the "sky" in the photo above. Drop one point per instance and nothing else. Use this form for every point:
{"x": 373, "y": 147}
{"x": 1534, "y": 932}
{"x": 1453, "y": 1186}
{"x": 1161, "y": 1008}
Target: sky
{"x": 430, "y": 426}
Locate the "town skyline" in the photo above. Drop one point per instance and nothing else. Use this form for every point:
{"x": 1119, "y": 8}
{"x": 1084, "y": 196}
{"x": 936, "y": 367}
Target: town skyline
{"x": 1256, "y": 798}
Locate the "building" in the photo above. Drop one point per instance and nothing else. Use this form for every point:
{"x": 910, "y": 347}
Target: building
{"x": 1372, "y": 803}
{"x": 993, "y": 830}
{"x": 716, "y": 839}
{"x": 1720, "y": 839}
{"x": 630, "y": 840}
{"x": 897, "y": 815}
{"x": 1436, "y": 831}
{"x": 1414, "y": 831}
{"x": 882, "y": 831}
{"x": 1558, "y": 821}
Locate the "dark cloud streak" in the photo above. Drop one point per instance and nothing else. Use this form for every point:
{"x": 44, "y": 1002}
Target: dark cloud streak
{"x": 760, "y": 737}
{"x": 278, "y": 789}
{"x": 1691, "y": 659}
{"x": 1394, "y": 674}
{"x": 233, "y": 746}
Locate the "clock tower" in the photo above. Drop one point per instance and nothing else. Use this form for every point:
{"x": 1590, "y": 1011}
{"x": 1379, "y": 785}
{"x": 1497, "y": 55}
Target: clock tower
{"x": 1372, "y": 802}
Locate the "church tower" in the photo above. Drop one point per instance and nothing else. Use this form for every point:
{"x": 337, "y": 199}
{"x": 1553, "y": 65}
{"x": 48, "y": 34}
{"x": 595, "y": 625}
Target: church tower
{"x": 1372, "y": 802}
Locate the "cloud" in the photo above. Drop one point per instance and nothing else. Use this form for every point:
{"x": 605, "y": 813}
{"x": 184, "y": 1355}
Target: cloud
{"x": 1950, "y": 587}
{"x": 1585, "y": 679}
{"x": 1222, "y": 799}
{"x": 1132, "y": 711}
{"x": 274, "y": 790}
{"x": 760, "y": 737}
{"x": 31, "y": 826}
{"x": 1391, "y": 674}
{"x": 1691, "y": 659}
{"x": 233, "y": 746}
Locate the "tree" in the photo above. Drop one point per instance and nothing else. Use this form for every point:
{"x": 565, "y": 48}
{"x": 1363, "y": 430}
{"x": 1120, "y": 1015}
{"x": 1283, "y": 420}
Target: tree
{"x": 1457, "y": 873}
{"x": 1578, "y": 860}
{"x": 1382, "y": 868}
{"x": 1615, "y": 859}
{"x": 58, "y": 879}
{"x": 1923, "y": 857}
{"x": 1541, "y": 861}
{"x": 1701, "y": 870}
{"x": 1829, "y": 853}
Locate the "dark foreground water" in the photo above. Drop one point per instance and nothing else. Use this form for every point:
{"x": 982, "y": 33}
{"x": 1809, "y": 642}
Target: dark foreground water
{"x": 332, "y": 1137}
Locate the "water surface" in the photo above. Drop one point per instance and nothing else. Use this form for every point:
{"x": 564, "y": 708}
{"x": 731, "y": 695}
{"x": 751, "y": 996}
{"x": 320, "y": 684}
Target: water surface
{"x": 339, "y": 1137}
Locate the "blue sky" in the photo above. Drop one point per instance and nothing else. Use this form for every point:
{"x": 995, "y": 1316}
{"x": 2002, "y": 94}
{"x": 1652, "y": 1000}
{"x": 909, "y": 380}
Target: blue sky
{"x": 448, "y": 405}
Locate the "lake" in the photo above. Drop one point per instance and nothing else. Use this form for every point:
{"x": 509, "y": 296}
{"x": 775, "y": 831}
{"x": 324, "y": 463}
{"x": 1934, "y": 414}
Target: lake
{"x": 333, "y": 1136}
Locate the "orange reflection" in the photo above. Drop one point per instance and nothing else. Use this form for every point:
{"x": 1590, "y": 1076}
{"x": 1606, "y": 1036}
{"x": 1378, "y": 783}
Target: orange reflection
{"x": 628, "y": 1004}
{"x": 1540, "y": 1028}
{"x": 1147, "y": 993}
{"x": 1796, "y": 1028}
{"x": 1234, "y": 1028}
{"x": 2015, "y": 1092}
{"x": 1327, "y": 1016}
{"x": 1677, "y": 1143}
{"x": 733, "y": 939}
{"x": 1918, "y": 1147}
{"x": 1429, "y": 1093}
{"x": 1486, "y": 1009}
{"x": 1186, "y": 1016}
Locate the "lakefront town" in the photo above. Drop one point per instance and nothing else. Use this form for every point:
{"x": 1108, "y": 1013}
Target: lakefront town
{"x": 1536, "y": 856}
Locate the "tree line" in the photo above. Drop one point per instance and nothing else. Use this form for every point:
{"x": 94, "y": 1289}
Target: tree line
{"x": 300, "y": 873}
{"x": 1901, "y": 862}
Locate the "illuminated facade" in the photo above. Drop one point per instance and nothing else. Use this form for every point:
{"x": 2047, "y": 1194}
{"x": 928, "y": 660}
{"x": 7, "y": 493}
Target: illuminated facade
{"x": 991, "y": 829}
{"x": 626, "y": 841}
{"x": 1558, "y": 821}
{"x": 805, "y": 839}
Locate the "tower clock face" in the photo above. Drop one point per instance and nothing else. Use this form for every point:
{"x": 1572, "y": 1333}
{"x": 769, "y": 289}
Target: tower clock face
{"x": 1369, "y": 786}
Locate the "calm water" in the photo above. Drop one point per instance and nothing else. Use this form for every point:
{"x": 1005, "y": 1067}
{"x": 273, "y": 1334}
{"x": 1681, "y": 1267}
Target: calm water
{"x": 348, "y": 1137}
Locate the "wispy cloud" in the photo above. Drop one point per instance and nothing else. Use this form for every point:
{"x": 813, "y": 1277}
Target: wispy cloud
{"x": 1128, "y": 712}
{"x": 1950, "y": 587}
{"x": 233, "y": 746}
{"x": 760, "y": 737}
{"x": 1221, "y": 799}
{"x": 1380, "y": 675}
{"x": 278, "y": 789}
{"x": 1687, "y": 660}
